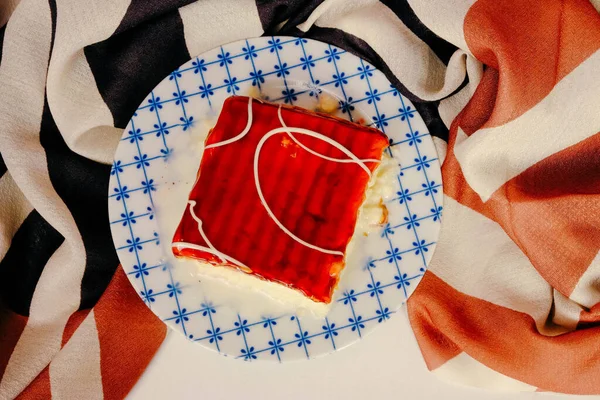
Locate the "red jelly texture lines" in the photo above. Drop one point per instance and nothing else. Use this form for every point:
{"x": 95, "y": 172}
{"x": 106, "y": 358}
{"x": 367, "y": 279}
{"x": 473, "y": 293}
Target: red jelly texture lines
{"x": 316, "y": 199}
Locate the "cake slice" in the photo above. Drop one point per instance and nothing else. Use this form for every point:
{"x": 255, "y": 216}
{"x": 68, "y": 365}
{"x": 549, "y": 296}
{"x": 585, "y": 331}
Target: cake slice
{"x": 277, "y": 196}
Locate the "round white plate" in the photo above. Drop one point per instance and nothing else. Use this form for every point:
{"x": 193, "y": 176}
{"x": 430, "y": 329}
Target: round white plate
{"x": 157, "y": 159}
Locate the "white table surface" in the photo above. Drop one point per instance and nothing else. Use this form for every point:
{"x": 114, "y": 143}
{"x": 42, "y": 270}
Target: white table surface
{"x": 385, "y": 365}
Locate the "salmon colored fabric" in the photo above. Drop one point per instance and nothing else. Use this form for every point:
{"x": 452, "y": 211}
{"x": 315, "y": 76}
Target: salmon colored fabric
{"x": 565, "y": 363}
{"x": 137, "y": 341}
{"x": 124, "y": 356}
{"x": 548, "y": 214}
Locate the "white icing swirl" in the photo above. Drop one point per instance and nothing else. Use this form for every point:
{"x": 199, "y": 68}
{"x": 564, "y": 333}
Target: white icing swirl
{"x": 353, "y": 159}
{"x": 288, "y": 130}
{"x": 315, "y": 135}
{"x": 210, "y": 249}
{"x": 240, "y": 135}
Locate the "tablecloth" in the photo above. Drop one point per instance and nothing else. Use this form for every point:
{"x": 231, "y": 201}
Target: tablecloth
{"x": 509, "y": 89}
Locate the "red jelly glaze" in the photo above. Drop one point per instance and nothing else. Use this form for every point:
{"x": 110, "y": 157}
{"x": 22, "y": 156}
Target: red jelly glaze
{"x": 314, "y": 198}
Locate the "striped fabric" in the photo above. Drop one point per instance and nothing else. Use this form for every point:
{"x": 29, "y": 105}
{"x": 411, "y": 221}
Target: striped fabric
{"x": 509, "y": 88}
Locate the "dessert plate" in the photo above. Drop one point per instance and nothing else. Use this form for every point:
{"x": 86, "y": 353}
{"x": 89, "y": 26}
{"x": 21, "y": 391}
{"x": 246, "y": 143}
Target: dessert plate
{"x": 158, "y": 157}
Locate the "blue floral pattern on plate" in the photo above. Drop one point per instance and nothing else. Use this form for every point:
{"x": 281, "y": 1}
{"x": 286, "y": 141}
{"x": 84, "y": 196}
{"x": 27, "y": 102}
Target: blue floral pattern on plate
{"x": 293, "y": 71}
